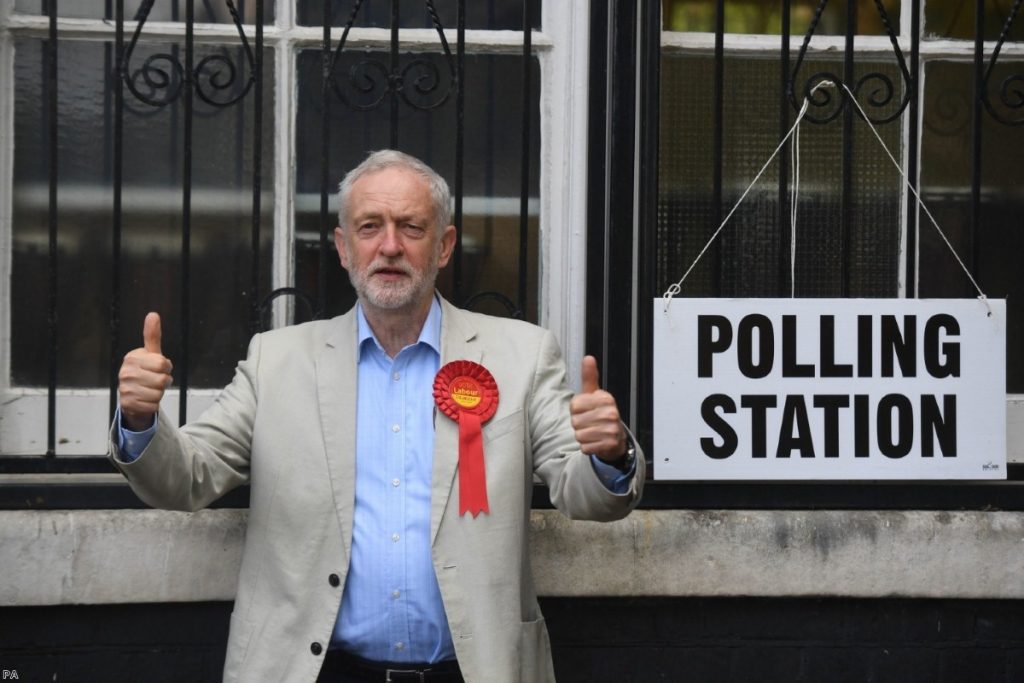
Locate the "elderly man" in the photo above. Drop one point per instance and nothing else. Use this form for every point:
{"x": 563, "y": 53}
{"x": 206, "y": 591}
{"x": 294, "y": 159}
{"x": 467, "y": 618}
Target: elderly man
{"x": 391, "y": 453}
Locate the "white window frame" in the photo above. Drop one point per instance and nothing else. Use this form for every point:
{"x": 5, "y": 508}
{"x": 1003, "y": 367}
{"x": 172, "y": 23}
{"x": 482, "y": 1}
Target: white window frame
{"x": 562, "y": 47}
{"x": 700, "y": 43}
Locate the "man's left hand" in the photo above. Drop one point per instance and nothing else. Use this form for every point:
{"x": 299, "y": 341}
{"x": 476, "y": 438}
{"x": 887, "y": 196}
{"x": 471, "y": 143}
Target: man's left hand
{"x": 595, "y": 417}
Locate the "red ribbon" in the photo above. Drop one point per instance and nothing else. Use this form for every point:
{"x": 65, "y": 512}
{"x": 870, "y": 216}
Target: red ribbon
{"x": 466, "y": 392}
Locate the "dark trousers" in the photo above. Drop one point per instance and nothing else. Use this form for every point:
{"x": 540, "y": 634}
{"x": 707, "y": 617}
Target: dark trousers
{"x": 341, "y": 667}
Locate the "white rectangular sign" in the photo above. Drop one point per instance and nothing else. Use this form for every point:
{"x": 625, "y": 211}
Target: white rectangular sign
{"x": 829, "y": 389}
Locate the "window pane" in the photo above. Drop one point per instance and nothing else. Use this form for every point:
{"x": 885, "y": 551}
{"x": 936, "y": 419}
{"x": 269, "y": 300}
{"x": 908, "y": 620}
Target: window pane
{"x": 749, "y": 245}
{"x": 757, "y": 16}
{"x": 206, "y": 11}
{"x": 493, "y": 143}
{"x": 152, "y": 214}
{"x": 480, "y": 14}
{"x": 947, "y": 170}
{"x": 956, "y": 19}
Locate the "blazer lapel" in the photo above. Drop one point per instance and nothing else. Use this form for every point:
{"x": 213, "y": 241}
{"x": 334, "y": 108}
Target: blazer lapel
{"x": 336, "y": 377}
{"x": 458, "y": 342}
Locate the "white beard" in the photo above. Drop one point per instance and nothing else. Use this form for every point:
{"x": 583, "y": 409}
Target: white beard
{"x": 393, "y": 295}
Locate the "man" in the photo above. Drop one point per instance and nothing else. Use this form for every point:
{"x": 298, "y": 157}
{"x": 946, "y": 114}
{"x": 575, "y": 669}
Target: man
{"x": 389, "y": 511}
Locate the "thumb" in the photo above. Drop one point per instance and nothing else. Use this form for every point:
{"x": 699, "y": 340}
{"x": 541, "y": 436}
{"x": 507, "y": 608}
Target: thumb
{"x": 589, "y": 376}
{"x": 151, "y": 333}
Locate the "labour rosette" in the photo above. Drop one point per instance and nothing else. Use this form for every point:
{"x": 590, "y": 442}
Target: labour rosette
{"x": 467, "y": 393}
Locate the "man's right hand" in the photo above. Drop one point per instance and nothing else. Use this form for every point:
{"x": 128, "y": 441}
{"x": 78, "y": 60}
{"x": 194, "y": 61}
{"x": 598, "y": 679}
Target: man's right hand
{"x": 145, "y": 375}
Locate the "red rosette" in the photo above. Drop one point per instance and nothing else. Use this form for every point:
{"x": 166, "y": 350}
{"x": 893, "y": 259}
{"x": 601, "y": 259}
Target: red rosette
{"x": 467, "y": 393}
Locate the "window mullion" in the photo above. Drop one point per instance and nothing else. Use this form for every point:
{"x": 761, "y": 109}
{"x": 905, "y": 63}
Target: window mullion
{"x": 284, "y": 17}
{"x": 156, "y": 31}
{"x": 906, "y": 7}
{"x": 285, "y": 111}
{"x": 563, "y": 176}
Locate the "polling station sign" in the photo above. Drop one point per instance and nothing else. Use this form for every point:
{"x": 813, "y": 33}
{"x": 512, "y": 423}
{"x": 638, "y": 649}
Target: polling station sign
{"x": 829, "y": 389}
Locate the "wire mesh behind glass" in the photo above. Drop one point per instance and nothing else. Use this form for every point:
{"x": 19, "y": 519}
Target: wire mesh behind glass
{"x": 747, "y": 250}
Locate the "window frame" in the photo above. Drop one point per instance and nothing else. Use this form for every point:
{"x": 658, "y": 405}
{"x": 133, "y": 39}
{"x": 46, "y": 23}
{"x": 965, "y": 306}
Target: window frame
{"x": 560, "y": 45}
{"x": 607, "y": 331}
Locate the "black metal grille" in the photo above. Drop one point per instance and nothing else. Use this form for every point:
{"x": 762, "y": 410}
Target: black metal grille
{"x": 186, "y": 80}
{"x": 854, "y": 223}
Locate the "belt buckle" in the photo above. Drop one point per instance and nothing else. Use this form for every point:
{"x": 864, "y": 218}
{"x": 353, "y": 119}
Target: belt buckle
{"x": 403, "y": 672}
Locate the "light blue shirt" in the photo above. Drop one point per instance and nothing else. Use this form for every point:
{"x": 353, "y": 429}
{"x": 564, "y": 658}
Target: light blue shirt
{"x": 391, "y": 609}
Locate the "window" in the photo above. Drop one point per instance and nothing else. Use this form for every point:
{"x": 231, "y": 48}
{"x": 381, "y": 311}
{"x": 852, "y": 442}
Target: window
{"x": 731, "y": 77}
{"x": 202, "y": 198}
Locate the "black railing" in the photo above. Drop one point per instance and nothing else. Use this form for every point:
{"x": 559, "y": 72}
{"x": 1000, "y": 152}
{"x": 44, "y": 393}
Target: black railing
{"x": 889, "y": 90}
{"x": 178, "y": 78}
{"x": 161, "y": 80}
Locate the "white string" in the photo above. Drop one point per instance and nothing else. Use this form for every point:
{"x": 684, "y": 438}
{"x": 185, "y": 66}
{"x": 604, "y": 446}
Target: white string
{"x": 924, "y": 207}
{"x": 675, "y": 288}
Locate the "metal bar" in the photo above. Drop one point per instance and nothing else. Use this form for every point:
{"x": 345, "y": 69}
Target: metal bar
{"x": 460, "y": 141}
{"x": 392, "y": 85}
{"x": 109, "y": 86}
{"x": 912, "y": 149}
{"x": 257, "y": 171}
{"x": 658, "y": 495}
{"x": 785, "y": 286}
{"x": 618, "y": 288}
{"x": 524, "y": 158}
{"x": 51, "y": 81}
{"x": 597, "y": 171}
{"x": 717, "y": 143}
{"x": 647, "y": 237}
{"x": 326, "y": 76}
{"x": 846, "y": 220}
{"x": 976, "y": 151}
{"x": 117, "y": 218}
{"x": 186, "y": 212}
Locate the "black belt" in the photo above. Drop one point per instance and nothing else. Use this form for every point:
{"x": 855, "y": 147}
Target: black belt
{"x": 349, "y": 667}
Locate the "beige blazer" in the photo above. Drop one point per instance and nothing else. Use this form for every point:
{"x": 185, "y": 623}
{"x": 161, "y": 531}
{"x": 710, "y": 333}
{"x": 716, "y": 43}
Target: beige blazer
{"x": 286, "y": 426}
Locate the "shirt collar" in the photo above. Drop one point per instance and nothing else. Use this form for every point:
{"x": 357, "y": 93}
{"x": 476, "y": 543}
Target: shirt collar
{"x": 429, "y": 335}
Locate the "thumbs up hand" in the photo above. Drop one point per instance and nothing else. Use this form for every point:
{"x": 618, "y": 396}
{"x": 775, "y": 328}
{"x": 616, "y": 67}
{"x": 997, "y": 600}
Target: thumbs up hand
{"x": 595, "y": 417}
{"x": 144, "y": 376}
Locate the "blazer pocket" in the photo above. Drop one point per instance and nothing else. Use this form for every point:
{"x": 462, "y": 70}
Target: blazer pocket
{"x": 535, "y": 652}
{"x": 510, "y": 423}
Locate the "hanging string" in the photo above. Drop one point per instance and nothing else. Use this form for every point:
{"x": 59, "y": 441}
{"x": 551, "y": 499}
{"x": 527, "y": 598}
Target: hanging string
{"x": 675, "y": 288}
{"x": 924, "y": 207}
{"x": 795, "y": 174}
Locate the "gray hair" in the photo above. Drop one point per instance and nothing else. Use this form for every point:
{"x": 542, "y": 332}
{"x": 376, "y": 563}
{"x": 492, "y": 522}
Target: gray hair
{"x": 391, "y": 158}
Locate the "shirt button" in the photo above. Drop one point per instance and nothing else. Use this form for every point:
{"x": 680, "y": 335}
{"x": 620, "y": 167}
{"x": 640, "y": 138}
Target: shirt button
{"x": 399, "y": 646}
{"x": 396, "y": 594}
{"x": 395, "y": 537}
{"x": 395, "y": 428}
{"x": 395, "y": 482}
{"x": 397, "y": 376}
{"x": 334, "y": 580}
{"x": 316, "y": 648}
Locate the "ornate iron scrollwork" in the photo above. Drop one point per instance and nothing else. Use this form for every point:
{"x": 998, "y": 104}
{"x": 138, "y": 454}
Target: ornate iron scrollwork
{"x": 513, "y": 310}
{"x": 370, "y": 80}
{"x": 161, "y": 77}
{"x": 880, "y": 88}
{"x": 950, "y": 113}
{"x": 300, "y": 296}
{"x": 1011, "y": 89}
